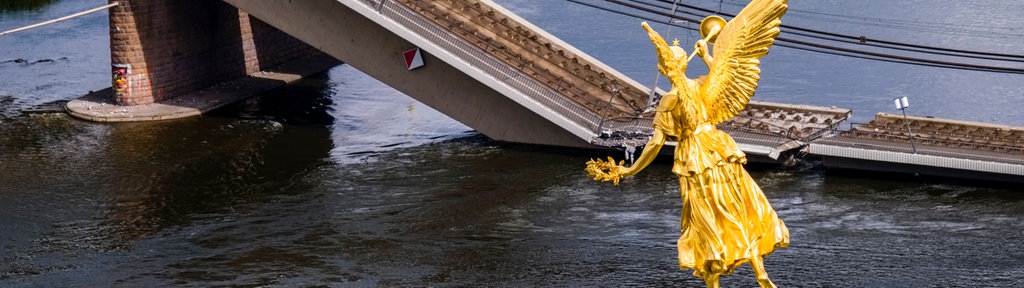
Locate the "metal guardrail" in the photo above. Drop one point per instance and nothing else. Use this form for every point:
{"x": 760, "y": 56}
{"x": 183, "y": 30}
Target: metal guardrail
{"x": 483, "y": 60}
{"x": 945, "y": 145}
{"x": 885, "y": 157}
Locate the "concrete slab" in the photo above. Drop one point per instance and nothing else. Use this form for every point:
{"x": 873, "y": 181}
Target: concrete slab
{"x": 99, "y": 106}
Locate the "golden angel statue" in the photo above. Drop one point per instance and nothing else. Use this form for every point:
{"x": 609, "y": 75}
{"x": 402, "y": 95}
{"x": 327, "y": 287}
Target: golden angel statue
{"x": 726, "y": 218}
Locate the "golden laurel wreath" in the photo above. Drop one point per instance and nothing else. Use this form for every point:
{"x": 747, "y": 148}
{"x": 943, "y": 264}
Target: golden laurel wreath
{"x": 605, "y": 171}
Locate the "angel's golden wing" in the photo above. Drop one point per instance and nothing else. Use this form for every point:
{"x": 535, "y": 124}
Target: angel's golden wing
{"x": 733, "y": 75}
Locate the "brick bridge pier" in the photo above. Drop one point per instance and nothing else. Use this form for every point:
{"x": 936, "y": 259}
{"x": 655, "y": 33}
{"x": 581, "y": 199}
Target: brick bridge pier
{"x": 180, "y": 58}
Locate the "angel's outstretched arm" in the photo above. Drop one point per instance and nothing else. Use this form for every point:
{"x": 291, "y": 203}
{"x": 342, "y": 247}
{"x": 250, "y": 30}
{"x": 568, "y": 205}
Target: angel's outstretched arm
{"x": 705, "y": 54}
{"x": 613, "y": 172}
{"x": 647, "y": 156}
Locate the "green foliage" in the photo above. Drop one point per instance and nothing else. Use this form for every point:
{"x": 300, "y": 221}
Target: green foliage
{"x": 21, "y": 5}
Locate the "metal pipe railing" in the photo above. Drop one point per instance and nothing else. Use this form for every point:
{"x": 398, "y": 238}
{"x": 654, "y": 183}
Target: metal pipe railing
{"x": 939, "y": 144}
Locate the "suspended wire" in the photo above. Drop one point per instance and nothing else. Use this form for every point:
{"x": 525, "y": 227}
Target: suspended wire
{"x": 924, "y": 26}
{"x": 825, "y": 49}
{"x": 822, "y": 48}
{"x": 856, "y": 38}
{"x": 879, "y": 43}
{"x": 840, "y": 36}
{"x": 668, "y": 33}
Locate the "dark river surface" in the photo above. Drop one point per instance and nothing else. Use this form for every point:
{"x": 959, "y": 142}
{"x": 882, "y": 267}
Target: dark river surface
{"x": 341, "y": 181}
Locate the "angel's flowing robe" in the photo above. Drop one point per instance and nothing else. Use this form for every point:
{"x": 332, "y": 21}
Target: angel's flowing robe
{"x": 726, "y": 219}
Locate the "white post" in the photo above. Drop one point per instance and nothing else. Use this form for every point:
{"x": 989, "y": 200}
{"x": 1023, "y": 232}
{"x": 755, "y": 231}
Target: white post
{"x": 902, "y": 104}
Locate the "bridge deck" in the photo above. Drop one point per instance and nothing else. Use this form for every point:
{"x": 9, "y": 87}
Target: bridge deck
{"x": 948, "y": 134}
{"x": 536, "y": 54}
{"x": 905, "y": 148}
{"x": 941, "y": 147}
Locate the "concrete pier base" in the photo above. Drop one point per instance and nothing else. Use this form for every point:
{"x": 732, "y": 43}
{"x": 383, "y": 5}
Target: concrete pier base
{"x": 100, "y": 106}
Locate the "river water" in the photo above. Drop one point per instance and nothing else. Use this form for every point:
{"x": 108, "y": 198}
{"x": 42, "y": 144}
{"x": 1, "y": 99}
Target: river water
{"x": 341, "y": 181}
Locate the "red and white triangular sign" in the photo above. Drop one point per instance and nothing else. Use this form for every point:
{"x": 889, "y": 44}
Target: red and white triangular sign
{"x": 413, "y": 58}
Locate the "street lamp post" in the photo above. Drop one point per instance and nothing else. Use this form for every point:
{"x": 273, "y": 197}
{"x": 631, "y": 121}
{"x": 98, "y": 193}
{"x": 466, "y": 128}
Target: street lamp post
{"x": 902, "y": 104}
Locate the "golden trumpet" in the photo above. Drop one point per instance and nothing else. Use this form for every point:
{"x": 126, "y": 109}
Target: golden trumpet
{"x": 709, "y": 28}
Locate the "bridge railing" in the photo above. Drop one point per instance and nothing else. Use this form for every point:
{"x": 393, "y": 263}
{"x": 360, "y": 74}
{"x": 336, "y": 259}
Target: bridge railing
{"x": 482, "y": 60}
{"x": 949, "y": 146}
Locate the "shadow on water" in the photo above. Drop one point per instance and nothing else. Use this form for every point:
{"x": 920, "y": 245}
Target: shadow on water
{"x": 24, "y": 5}
{"x": 307, "y": 102}
{"x": 997, "y": 186}
{"x": 214, "y": 164}
{"x": 105, "y": 188}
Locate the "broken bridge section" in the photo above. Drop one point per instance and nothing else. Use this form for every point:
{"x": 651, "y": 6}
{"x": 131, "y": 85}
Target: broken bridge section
{"x": 482, "y": 65}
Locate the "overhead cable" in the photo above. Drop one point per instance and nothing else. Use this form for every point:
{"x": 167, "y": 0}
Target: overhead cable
{"x": 822, "y": 35}
{"x": 821, "y": 48}
{"x": 849, "y": 37}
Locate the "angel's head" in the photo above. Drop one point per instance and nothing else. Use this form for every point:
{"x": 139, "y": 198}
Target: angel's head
{"x": 677, "y": 52}
{"x": 676, "y": 65}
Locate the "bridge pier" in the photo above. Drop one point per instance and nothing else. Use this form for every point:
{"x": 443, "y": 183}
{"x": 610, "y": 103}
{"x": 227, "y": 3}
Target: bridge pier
{"x": 164, "y": 49}
{"x": 160, "y": 49}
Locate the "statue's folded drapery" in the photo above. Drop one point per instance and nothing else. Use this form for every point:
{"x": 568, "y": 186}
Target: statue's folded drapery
{"x": 726, "y": 218}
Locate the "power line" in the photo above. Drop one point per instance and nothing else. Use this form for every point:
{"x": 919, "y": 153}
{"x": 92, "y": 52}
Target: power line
{"x": 828, "y": 49}
{"x": 856, "y": 38}
{"x": 879, "y": 43}
{"x": 924, "y": 26}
